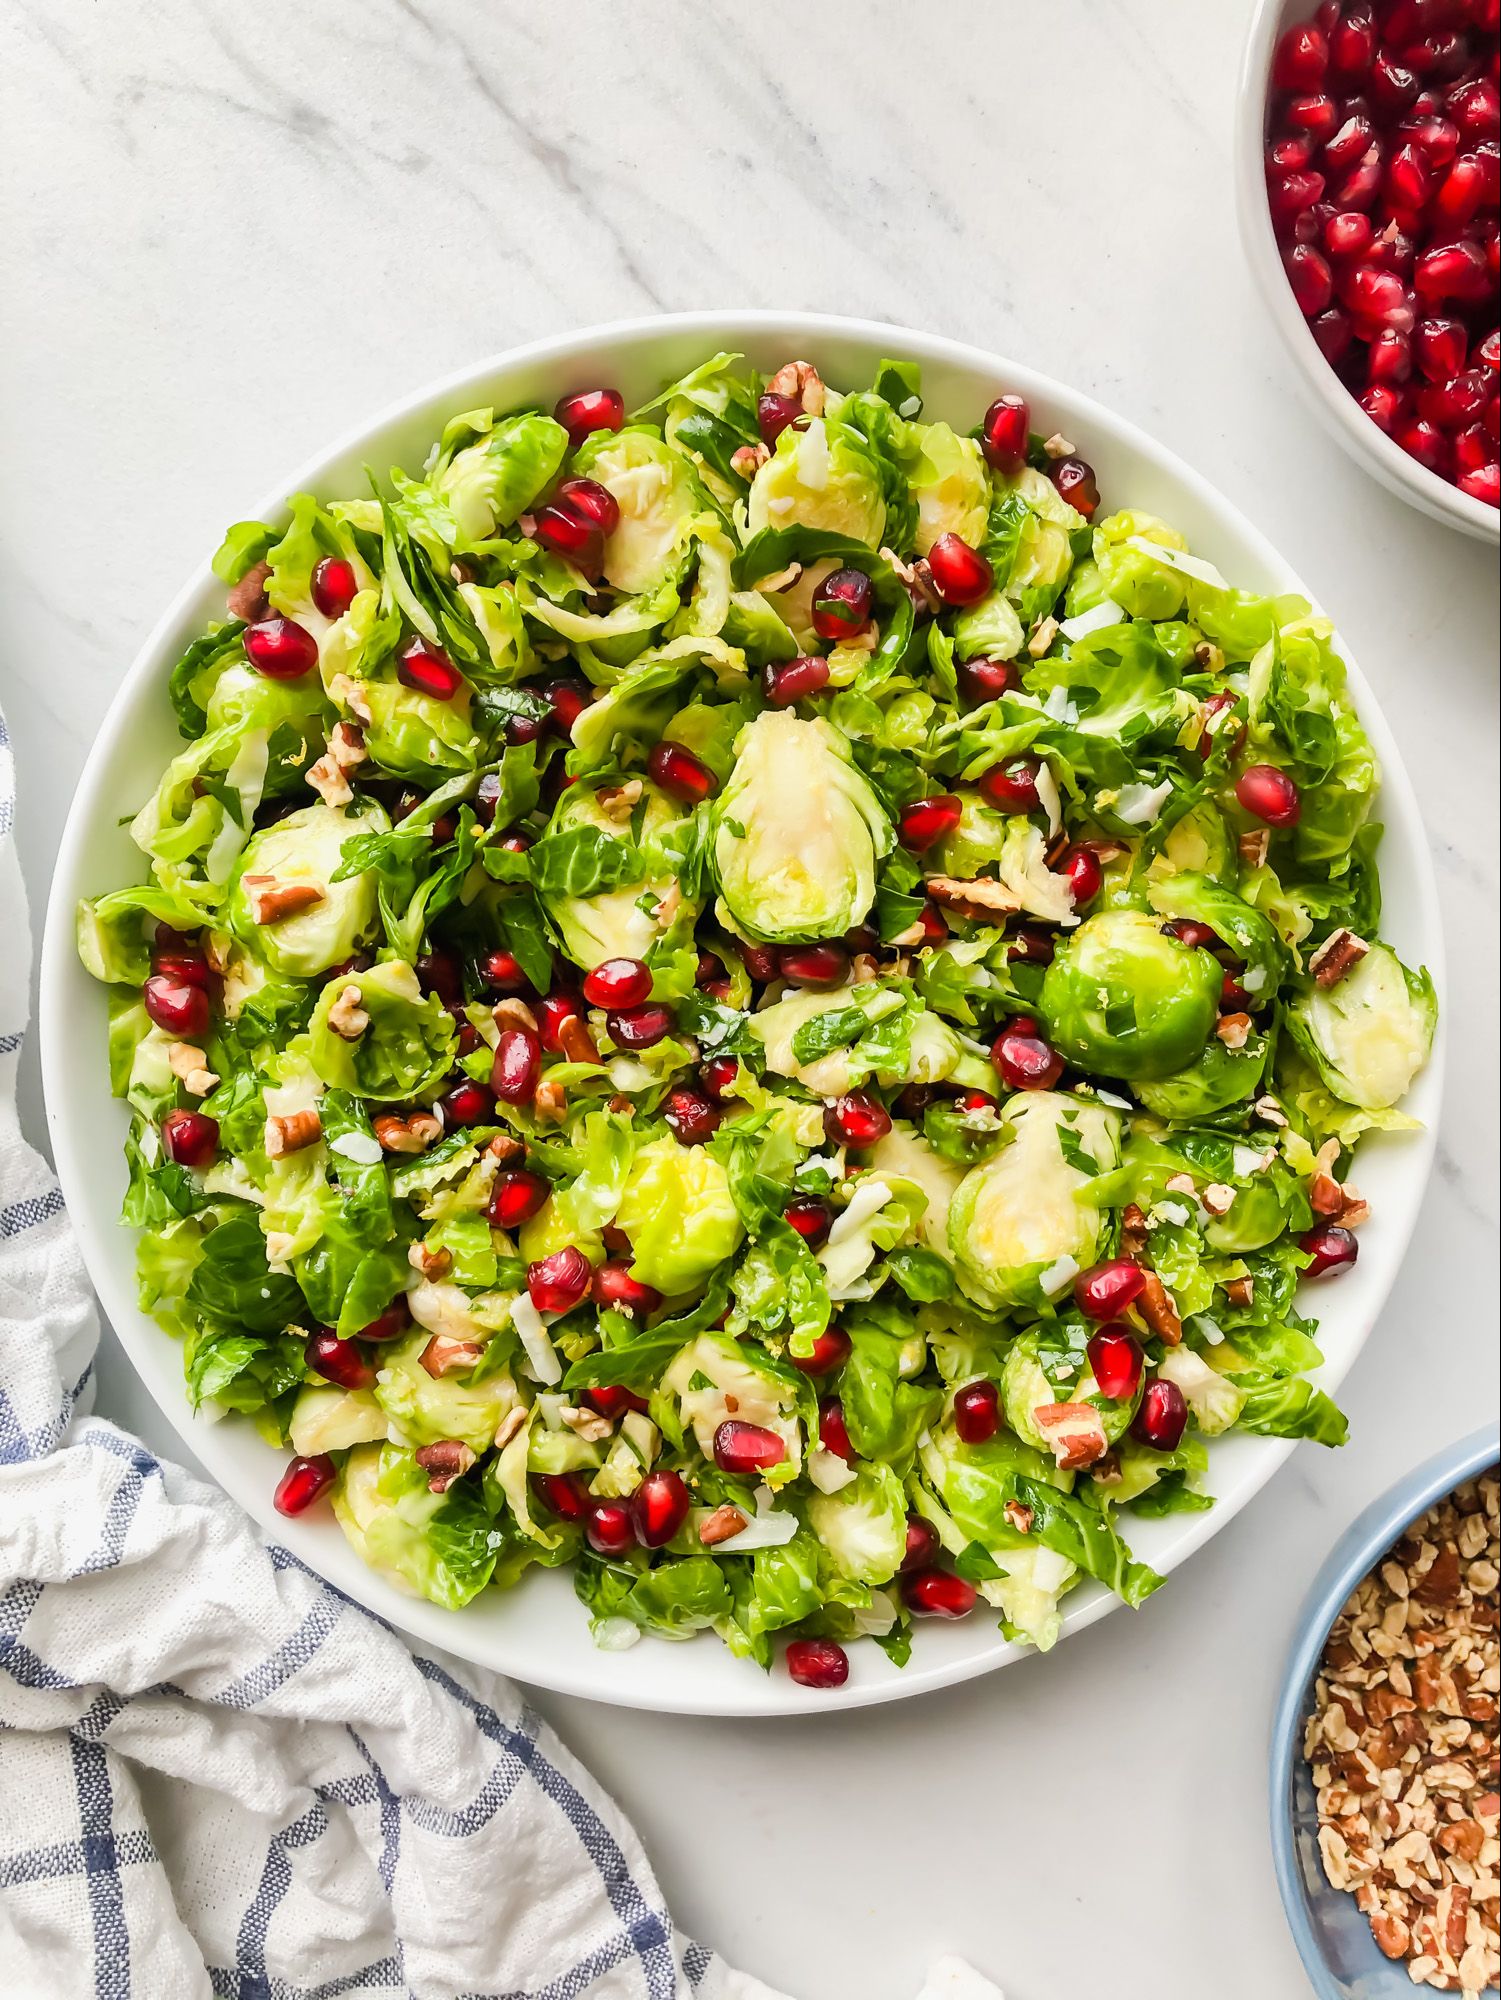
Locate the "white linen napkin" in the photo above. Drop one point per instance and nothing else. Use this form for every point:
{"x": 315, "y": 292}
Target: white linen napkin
{"x": 218, "y": 1776}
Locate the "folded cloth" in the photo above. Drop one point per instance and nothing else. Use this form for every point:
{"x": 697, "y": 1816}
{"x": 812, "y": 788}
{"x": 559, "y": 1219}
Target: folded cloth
{"x": 220, "y": 1776}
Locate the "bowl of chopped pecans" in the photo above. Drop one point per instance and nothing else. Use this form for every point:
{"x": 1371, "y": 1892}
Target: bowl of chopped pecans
{"x": 1383, "y": 1766}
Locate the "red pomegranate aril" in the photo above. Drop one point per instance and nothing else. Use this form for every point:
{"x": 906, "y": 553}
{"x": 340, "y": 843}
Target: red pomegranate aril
{"x": 280, "y": 649}
{"x": 391, "y": 1324}
{"x": 1360, "y": 186}
{"x": 1162, "y": 1418}
{"x": 983, "y": 680}
{"x": 831, "y": 1349}
{"x": 1349, "y": 145}
{"x": 833, "y": 1432}
{"x": 1310, "y": 277}
{"x": 1461, "y": 194}
{"x": 774, "y": 413}
{"x": 1315, "y": 113}
{"x": 639, "y": 1027}
{"x": 517, "y": 1066}
{"x": 679, "y": 773}
{"x": 923, "y": 1546}
{"x": 1289, "y": 194}
{"x": 691, "y": 1118}
{"x": 1308, "y": 227}
{"x": 1188, "y": 931}
{"x": 1352, "y": 44}
{"x": 552, "y": 1012}
{"x": 1348, "y": 233}
{"x": 1455, "y": 403}
{"x": 618, "y": 982}
{"x": 571, "y": 535}
{"x": 1269, "y": 794}
{"x": 468, "y": 1103}
{"x": 334, "y": 586}
{"x": 1075, "y": 480}
{"x": 1475, "y": 107}
{"x": 425, "y": 670}
{"x": 595, "y": 502}
{"x": 1234, "y": 998}
{"x": 1438, "y": 346}
{"x": 1023, "y": 1059}
{"x": 516, "y": 1197}
{"x": 613, "y": 1285}
{"x": 564, "y": 1493}
{"x": 856, "y": 1119}
{"x": 810, "y": 1217}
{"x": 928, "y": 821}
{"x": 1453, "y": 271}
{"x": 522, "y": 729}
{"x": 1116, "y": 1362}
{"x": 816, "y": 966}
{"x": 1013, "y": 785}
{"x": 1081, "y": 869}
{"x": 1426, "y": 443}
{"x": 817, "y": 1663}
{"x": 190, "y": 968}
{"x": 842, "y": 605}
{"x": 337, "y": 1360}
{"x": 588, "y": 411}
{"x": 501, "y": 971}
{"x": 1104, "y": 1291}
{"x": 960, "y": 574}
{"x": 1333, "y": 332}
{"x": 931, "y": 921}
{"x": 745, "y": 1448}
{"x": 1392, "y": 85}
{"x": 608, "y": 1528}
{"x": 1409, "y": 180}
{"x": 659, "y": 1507}
{"x": 1331, "y": 1247}
{"x": 784, "y": 682}
{"x": 1004, "y": 433}
{"x": 1389, "y": 360}
{"x": 557, "y": 1283}
{"x": 1301, "y": 57}
{"x": 189, "y": 1139}
{"x": 177, "y": 1006}
{"x": 1473, "y": 449}
{"x": 612, "y": 1401}
{"x": 1376, "y": 295}
{"x": 1438, "y": 136}
{"x": 977, "y": 1412}
{"x": 1483, "y": 483}
{"x": 1383, "y": 405}
{"x": 719, "y": 1076}
{"x": 304, "y": 1481}
{"x": 938, "y": 1593}
{"x": 567, "y": 700}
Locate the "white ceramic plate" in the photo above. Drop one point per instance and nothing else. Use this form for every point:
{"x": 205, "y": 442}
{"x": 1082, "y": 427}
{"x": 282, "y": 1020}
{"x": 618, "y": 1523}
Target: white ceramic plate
{"x": 538, "y": 1632}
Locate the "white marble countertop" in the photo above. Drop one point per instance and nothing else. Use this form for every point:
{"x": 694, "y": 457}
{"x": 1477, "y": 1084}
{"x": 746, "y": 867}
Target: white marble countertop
{"x": 229, "y": 233}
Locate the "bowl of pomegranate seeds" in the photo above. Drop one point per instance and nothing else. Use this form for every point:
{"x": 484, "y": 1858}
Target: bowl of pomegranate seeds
{"x": 1383, "y": 1769}
{"x": 763, "y": 999}
{"x": 1369, "y": 184}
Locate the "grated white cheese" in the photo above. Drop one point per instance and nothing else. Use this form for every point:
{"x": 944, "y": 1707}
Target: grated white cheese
{"x": 1116, "y": 1103}
{"x": 532, "y": 1328}
{"x": 813, "y": 457}
{"x": 1138, "y": 804}
{"x": 1253, "y": 978}
{"x": 910, "y": 407}
{"x": 1058, "y": 706}
{"x": 1174, "y": 1212}
{"x": 1058, "y": 1277}
{"x": 361, "y": 1147}
{"x": 1178, "y": 559}
{"x": 1106, "y": 612}
{"x": 827, "y": 1470}
{"x": 1047, "y": 792}
{"x": 1248, "y": 1160}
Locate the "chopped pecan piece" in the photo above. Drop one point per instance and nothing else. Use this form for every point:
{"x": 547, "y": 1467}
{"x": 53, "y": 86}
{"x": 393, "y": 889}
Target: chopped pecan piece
{"x": 506, "y": 1150}
{"x": 1021, "y": 1517}
{"x": 1058, "y": 446}
{"x": 412, "y": 1134}
{"x": 722, "y": 1526}
{"x": 1339, "y": 954}
{"x": 1073, "y": 1432}
{"x": 445, "y": 1356}
{"x": 444, "y": 1462}
{"x": 291, "y": 1131}
{"x": 1234, "y": 1030}
{"x": 329, "y": 782}
{"x": 190, "y": 1066}
{"x": 272, "y": 900}
{"x": 1044, "y": 632}
{"x": 247, "y": 598}
{"x": 433, "y": 1264}
{"x": 1155, "y": 1304}
{"x": 918, "y": 579}
{"x": 575, "y": 1041}
{"x": 618, "y": 802}
{"x": 347, "y": 1017}
{"x": 350, "y": 694}
{"x": 981, "y": 900}
{"x": 1241, "y": 1292}
{"x": 513, "y": 1014}
{"x": 1254, "y": 846}
{"x": 586, "y": 1424}
{"x": 1133, "y": 1230}
{"x": 747, "y": 459}
{"x": 802, "y": 382}
{"x": 550, "y": 1103}
{"x": 1219, "y": 1198}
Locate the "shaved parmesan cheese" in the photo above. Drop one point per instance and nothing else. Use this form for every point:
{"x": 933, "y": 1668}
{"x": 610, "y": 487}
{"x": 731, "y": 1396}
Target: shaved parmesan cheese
{"x": 361, "y": 1147}
{"x": 1106, "y": 612}
{"x": 1248, "y": 1160}
{"x": 1059, "y": 1276}
{"x": 813, "y": 457}
{"x": 540, "y": 1352}
{"x": 909, "y": 408}
{"x": 1116, "y": 1103}
{"x": 1047, "y": 792}
{"x": 1138, "y": 804}
{"x": 1178, "y": 559}
{"x": 828, "y": 1471}
{"x": 762, "y": 1531}
{"x": 869, "y": 1196}
{"x": 1058, "y": 706}
{"x": 1174, "y": 1212}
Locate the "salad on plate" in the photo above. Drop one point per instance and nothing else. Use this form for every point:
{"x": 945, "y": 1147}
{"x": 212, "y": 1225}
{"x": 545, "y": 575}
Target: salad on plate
{"x": 764, "y": 998}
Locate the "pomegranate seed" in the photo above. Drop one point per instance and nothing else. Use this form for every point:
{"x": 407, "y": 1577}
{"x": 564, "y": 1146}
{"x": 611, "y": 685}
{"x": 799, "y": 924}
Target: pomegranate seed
{"x": 934, "y": 929}
{"x": 588, "y": 411}
{"x": 613, "y": 1285}
{"x": 390, "y": 1324}
{"x": 612, "y": 1401}
{"x": 1234, "y": 998}
{"x": 1288, "y": 195}
{"x": 1349, "y": 145}
{"x": 618, "y": 982}
{"x": 280, "y": 649}
{"x": 557, "y": 1283}
{"x": 842, "y": 605}
{"x": 552, "y": 1013}
{"x": 1269, "y": 794}
{"x": 1075, "y": 480}
{"x": 564, "y": 1493}
{"x": 516, "y": 1197}
{"x": 977, "y": 1412}
{"x": 1333, "y": 332}
{"x": 567, "y": 700}
{"x": 468, "y": 1103}
{"x": 1162, "y": 1418}
{"x": 1331, "y": 1248}
{"x": 517, "y": 1067}
{"x": 1439, "y": 348}
{"x": 1352, "y": 44}
{"x": 773, "y": 415}
{"x": 691, "y": 1118}
{"x": 1476, "y": 108}
{"x": 659, "y": 1507}
{"x": 1454, "y": 404}
{"x": 928, "y": 821}
{"x": 1316, "y": 113}
{"x": 923, "y": 1546}
{"x": 189, "y": 1139}
{"x": 938, "y": 1593}
{"x": 569, "y": 534}
{"x": 1390, "y": 358}
{"x": 1085, "y": 876}
{"x": 1310, "y": 277}
{"x": 961, "y": 575}
{"x": 784, "y": 682}
{"x": 817, "y": 1663}
{"x": 501, "y": 971}
{"x": 427, "y": 671}
{"x": 304, "y": 1481}
{"x": 818, "y": 966}
{"x": 1308, "y": 227}
{"x": 1484, "y": 483}
{"x": 833, "y": 1433}
{"x": 1472, "y": 451}
{"x": 1426, "y": 443}
{"x": 1023, "y": 1060}
{"x": 1453, "y": 271}
{"x": 1004, "y": 433}
{"x": 608, "y": 1528}
{"x": 679, "y": 773}
{"x": 1409, "y": 180}
{"x": 523, "y": 728}
{"x": 1359, "y": 187}
{"x": 857, "y": 1119}
{"x": 983, "y": 680}
{"x": 1438, "y": 136}
{"x": 177, "y": 1006}
{"x": 1348, "y": 233}
{"x": 1187, "y": 931}
{"x": 1462, "y": 192}
{"x": 639, "y": 1027}
{"x": 1383, "y": 405}
{"x": 1116, "y": 1362}
{"x": 760, "y": 962}
{"x": 740, "y": 1447}
{"x": 811, "y": 1219}
{"x": 830, "y": 1351}
{"x": 337, "y": 1360}
{"x": 1104, "y": 1291}
{"x": 1376, "y": 295}
{"x": 596, "y": 503}
{"x": 1392, "y": 84}
{"x": 334, "y": 586}
{"x": 719, "y": 1077}
{"x": 1013, "y": 785}
{"x": 1301, "y": 58}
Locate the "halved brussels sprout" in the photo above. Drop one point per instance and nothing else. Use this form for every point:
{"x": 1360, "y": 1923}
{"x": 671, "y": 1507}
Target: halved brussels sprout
{"x": 1143, "y": 587}
{"x": 678, "y": 1211}
{"x": 425, "y": 1408}
{"x": 489, "y": 483}
{"x": 823, "y": 477}
{"x": 1214, "y": 1401}
{"x": 1026, "y": 1387}
{"x": 1369, "y": 1035}
{"x": 1007, "y": 846}
{"x": 1247, "y": 932}
{"x": 904, "y": 1155}
{"x": 715, "y": 1378}
{"x": 333, "y": 1420}
{"x": 1220, "y": 1077}
{"x": 406, "y": 1045}
{"x": 612, "y": 923}
{"x": 1124, "y": 999}
{"x": 1017, "y": 1228}
{"x": 416, "y": 736}
{"x": 1044, "y": 552}
{"x": 990, "y": 629}
{"x": 658, "y": 496}
{"x": 383, "y": 1504}
{"x": 1199, "y": 843}
{"x": 797, "y": 833}
{"x": 243, "y": 699}
{"x": 302, "y": 853}
{"x": 951, "y": 486}
{"x": 863, "y": 1525}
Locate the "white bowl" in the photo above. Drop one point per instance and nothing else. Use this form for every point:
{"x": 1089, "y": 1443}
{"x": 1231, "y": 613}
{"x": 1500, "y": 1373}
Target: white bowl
{"x": 538, "y": 1632}
{"x": 1335, "y": 407}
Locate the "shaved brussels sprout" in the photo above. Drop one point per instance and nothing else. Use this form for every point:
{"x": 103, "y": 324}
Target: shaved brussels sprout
{"x": 1368, "y": 1035}
{"x": 863, "y": 1525}
{"x": 416, "y": 736}
{"x": 405, "y": 1046}
{"x": 489, "y": 483}
{"x": 658, "y": 496}
{"x": 425, "y": 1408}
{"x": 1137, "y": 582}
{"x": 1011, "y": 850}
{"x": 679, "y": 1214}
{"x": 1233, "y": 920}
{"x": 951, "y": 486}
{"x": 1124, "y": 999}
{"x": 823, "y": 477}
{"x": 641, "y": 902}
{"x": 290, "y": 865}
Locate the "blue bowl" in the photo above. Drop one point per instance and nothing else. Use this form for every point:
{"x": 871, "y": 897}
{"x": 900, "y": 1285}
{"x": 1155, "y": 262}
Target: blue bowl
{"x": 1333, "y": 1938}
